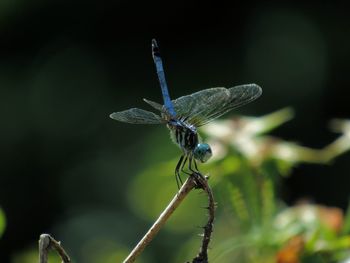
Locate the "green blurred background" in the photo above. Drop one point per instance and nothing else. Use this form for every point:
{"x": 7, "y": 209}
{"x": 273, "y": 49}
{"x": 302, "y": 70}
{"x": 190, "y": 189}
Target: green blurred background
{"x": 67, "y": 169}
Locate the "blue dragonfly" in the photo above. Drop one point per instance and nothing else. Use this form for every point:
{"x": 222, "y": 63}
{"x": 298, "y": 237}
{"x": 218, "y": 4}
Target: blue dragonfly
{"x": 185, "y": 114}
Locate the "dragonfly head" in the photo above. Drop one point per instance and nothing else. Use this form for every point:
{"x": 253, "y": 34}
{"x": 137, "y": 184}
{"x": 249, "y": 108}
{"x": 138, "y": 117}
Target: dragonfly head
{"x": 202, "y": 152}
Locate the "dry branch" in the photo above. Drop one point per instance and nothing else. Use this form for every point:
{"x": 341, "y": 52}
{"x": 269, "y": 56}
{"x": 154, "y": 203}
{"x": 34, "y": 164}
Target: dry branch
{"x": 47, "y": 242}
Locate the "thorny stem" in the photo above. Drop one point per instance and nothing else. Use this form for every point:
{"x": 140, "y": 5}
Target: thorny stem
{"x": 202, "y": 182}
{"x": 196, "y": 180}
{"x": 147, "y": 238}
{"x": 47, "y": 242}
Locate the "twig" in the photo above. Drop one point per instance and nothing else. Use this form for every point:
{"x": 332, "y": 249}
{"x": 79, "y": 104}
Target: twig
{"x": 185, "y": 189}
{"x": 47, "y": 242}
{"x": 202, "y": 182}
{"x": 196, "y": 180}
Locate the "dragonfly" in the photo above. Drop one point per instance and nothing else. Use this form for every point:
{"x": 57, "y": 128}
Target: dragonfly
{"x": 184, "y": 115}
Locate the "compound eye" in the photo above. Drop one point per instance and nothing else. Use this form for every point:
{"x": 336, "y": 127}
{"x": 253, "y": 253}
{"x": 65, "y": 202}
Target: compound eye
{"x": 202, "y": 152}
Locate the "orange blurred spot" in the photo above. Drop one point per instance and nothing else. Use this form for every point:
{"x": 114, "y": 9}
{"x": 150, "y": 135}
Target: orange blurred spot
{"x": 331, "y": 217}
{"x": 291, "y": 252}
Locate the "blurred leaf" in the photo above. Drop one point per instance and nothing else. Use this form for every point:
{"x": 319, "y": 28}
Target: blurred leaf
{"x": 96, "y": 233}
{"x": 32, "y": 255}
{"x": 103, "y": 251}
{"x": 2, "y": 222}
{"x": 313, "y": 258}
{"x": 238, "y": 202}
{"x": 346, "y": 226}
{"x": 268, "y": 201}
{"x": 152, "y": 190}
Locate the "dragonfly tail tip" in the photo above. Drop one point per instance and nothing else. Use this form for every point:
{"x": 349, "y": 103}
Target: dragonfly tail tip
{"x": 154, "y": 42}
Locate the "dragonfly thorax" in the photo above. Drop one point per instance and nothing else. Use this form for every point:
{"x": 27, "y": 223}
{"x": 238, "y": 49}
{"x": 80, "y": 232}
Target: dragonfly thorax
{"x": 183, "y": 134}
{"x": 186, "y": 136}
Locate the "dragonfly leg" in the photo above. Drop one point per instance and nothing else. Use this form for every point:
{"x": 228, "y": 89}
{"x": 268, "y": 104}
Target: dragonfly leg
{"x": 183, "y": 165}
{"x": 195, "y": 165}
{"x": 191, "y": 159}
{"x": 177, "y": 172}
{"x": 195, "y": 172}
{"x": 183, "y": 168}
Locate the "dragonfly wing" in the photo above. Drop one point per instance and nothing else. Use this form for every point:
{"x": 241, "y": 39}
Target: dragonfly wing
{"x": 212, "y": 103}
{"x": 187, "y": 106}
{"x": 155, "y": 105}
{"x": 239, "y": 96}
{"x": 137, "y": 116}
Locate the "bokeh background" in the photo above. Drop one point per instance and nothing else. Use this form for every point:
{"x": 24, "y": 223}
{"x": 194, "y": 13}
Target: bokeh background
{"x": 66, "y": 168}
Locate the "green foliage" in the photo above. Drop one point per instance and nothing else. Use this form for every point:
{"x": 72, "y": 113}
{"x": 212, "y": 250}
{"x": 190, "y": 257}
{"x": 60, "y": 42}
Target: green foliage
{"x": 2, "y": 222}
{"x": 148, "y": 203}
{"x": 31, "y": 255}
{"x": 265, "y": 229}
{"x": 253, "y": 224}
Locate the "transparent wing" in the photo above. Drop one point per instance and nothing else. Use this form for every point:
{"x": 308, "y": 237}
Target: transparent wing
{"x": 188, "y": 106}
{"x": 185, "y": 105}
{"x": 155, "y": 105}
{"x": 202, "y": 107}
{"x": 137, "y": 116}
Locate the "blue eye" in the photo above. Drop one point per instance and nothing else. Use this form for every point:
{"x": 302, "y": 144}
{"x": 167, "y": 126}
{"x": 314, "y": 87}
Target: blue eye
{"x": 202, "y": 152}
